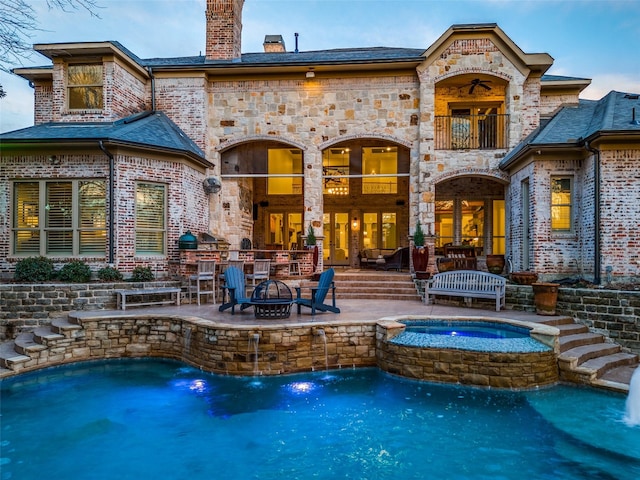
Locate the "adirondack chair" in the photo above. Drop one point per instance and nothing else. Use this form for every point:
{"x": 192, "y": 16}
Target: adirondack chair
{"x": 235, "y": 284}
{"x": 318, "y": 295}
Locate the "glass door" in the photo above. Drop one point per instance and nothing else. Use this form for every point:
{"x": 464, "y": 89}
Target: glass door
{"x": 336, "y": 238}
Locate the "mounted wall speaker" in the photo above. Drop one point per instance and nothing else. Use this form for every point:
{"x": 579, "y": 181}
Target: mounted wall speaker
{"x": 212, "y": 185}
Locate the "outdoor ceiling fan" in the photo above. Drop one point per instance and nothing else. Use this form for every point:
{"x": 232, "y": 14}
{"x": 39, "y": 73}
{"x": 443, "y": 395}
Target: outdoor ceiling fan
{"x": 476, "y": 82}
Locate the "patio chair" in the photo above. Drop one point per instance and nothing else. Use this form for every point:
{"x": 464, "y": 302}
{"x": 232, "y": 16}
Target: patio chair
{"x": 319, "y": 294}
{"x": 234, "y": 283}
{"x": 203, "y": 282}
{"x": 260, "y": 271}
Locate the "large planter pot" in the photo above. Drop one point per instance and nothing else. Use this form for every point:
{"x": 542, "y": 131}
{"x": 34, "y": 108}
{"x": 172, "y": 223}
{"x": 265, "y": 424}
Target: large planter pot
{"x": 495, "y": 263}
{"x": 545, "y": 296}
{"x": 420, "y": 259}
{"x": 446, "y": 264}
{"x": 524, "y": 278}
{"x": 314, "y": 249}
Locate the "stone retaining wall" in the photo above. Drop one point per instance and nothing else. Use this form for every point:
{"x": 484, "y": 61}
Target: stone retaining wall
{"x": 612, "y": 313}
{"x": 230, "y": 349}
{"x": 27, "y": 306}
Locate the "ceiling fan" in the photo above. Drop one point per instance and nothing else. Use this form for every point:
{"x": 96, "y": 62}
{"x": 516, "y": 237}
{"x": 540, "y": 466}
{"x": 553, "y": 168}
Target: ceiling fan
{"x": 476, "y": 82}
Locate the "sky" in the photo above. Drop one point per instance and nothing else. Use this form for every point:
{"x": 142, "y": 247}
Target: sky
{"x": 595, "y": 39}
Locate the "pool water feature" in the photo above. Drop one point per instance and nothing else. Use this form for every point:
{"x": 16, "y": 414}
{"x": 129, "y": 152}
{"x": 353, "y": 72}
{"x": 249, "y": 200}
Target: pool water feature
{"x": 146, "y": 418}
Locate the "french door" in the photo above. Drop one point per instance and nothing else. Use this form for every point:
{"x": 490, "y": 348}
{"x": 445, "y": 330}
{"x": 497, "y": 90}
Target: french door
{"x": 336, "y": 238}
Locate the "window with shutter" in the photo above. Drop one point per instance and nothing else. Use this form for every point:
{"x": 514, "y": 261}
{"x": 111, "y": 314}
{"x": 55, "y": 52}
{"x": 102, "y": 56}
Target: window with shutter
{"x": 150, "y": 219}
{"x": 59, "y": 218}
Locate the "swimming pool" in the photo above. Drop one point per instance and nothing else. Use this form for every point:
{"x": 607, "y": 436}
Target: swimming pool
{"x": 162, "y": 419}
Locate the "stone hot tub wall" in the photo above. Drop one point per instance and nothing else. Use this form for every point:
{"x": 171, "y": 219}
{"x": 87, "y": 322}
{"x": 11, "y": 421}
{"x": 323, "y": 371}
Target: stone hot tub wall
{"x": 485, "y": 369}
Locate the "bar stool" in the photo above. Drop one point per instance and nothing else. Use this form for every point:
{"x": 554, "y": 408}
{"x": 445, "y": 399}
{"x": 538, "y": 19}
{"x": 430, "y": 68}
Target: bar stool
{"x": 294, "y": 267}
{"x": 198, "y": 282}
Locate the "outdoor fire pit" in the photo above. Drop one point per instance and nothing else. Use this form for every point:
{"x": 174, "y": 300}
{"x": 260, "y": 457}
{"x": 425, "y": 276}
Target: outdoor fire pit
{"x": 272, "y": 299}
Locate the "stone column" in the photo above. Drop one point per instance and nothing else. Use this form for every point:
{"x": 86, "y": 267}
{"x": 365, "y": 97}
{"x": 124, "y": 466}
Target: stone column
{"x": 313, "y": 201}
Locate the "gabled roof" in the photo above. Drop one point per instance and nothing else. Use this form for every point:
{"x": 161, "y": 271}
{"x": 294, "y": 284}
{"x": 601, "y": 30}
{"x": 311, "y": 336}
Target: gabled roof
{"x": 535, "y": 62}
{"x": 574, "y": 126}
{"x": 149, "y": 130}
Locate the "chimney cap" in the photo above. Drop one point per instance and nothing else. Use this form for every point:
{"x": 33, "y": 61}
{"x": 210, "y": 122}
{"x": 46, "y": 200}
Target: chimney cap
{"x": 274, "y": 44}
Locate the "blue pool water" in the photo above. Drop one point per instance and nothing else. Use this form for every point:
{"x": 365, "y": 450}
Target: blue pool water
{"x": 468, "y": 335}
{"x": 160, "y": 419}
{"x": 473, "y": 329}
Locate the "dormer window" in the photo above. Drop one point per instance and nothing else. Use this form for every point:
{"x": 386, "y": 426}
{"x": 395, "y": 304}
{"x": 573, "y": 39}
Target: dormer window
{"x": 85, "y": 87}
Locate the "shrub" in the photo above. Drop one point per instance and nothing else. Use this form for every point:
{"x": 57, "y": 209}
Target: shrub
{"x": 418, "y": 235}
{"x": 75, "y": 271}
{"x": 34, "y": 269}
{"x": 142, "y": 274}
{"x": 109, "y": 274}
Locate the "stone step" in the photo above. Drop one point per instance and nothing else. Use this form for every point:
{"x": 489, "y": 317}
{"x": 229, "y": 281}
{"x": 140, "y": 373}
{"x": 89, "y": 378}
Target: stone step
{"x": 389, "y": 289}
{"x": 378, "y": 296}
{"x": 575, "y": 357}
{"x": 573, "y": 328}
{"x": 599, "y": 365}
{"x": 46, "y": 336}
{"x": 559, "y": 321}
{"x": 567, "y": 342}
{"x": 26, "y": 343}
{"x": 63, "y": 325}
{"x": 9, "y": 357}
{"x": 619, "y": 376}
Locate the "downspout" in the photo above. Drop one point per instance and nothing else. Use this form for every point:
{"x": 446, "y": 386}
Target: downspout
{"x": 112, "y": 209}
{"x": 153, "y": 89}
{"x": 597, "y": 261}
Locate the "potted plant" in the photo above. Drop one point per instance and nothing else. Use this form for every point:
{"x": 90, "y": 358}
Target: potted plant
{"x": 311, "y": 245}
{"x": 420, "y": 254}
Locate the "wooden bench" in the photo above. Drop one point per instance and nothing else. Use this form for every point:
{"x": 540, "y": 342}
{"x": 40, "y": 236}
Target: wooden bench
{"x": 468, "y": 284}
{"x": 145, "y": 293}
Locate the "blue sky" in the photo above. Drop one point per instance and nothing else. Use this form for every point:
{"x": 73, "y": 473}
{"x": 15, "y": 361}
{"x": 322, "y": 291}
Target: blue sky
{"x": 593, "y": 39}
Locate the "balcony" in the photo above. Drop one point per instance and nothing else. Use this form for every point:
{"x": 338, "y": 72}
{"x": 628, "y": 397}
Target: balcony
{"x": 471, "y": 132}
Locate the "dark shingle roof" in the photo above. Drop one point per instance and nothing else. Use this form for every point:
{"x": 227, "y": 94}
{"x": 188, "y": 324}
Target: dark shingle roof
{"x": 572, "y": 125}
{"x": 149, "y": 129}
{"x": 339, "y": 55}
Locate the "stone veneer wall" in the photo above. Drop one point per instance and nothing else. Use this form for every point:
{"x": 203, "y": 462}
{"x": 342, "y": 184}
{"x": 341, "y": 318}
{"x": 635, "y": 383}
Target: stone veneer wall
{"x": 24, "y": 307}
{"x": 612, "y": 313}
{"x": 219, "y": 348}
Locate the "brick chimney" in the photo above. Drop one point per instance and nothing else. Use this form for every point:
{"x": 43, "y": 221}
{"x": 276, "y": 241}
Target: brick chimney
{"x": 224, "y": 29}
{"x": 274, "y": 44}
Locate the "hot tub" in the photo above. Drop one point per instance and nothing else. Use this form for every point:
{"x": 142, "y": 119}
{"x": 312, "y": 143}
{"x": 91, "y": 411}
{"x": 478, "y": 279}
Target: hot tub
{"x": 474, "y": 351}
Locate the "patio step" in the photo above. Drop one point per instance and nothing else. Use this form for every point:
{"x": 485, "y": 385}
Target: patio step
{"x": 375, "y": 286}
{"x": 567, "y": 342}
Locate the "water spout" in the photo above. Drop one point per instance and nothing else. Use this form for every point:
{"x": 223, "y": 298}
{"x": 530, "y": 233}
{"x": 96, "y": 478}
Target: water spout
{"x": 187, "y": 341}
{"x": 321, "y": 333}
{"x": 255, "y": 341}
{"x": 632, "y": 416}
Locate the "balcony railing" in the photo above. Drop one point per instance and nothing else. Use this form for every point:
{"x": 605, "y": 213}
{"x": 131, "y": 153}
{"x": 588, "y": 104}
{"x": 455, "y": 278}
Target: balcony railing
{"x": 466, "y": 132}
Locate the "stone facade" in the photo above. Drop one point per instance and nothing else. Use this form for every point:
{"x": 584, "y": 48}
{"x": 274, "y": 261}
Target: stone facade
{"x": 235, "y": 107}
